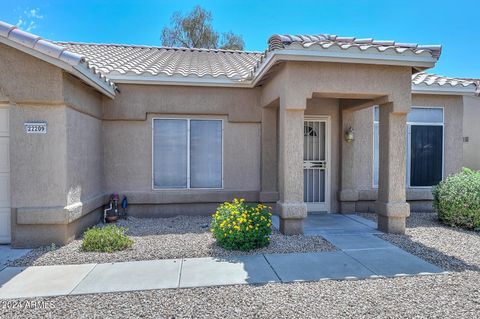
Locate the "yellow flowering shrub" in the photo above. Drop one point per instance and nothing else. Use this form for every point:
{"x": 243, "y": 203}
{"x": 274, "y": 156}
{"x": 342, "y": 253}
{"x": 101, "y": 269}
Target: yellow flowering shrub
{"x": 241, "y": 226}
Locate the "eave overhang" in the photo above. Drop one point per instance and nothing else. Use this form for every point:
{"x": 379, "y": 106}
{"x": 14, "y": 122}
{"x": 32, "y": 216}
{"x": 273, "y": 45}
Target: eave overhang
{"x": 419, "y": 62}
{"x": 443, "y": 89}
{"x": 47, "y": 51}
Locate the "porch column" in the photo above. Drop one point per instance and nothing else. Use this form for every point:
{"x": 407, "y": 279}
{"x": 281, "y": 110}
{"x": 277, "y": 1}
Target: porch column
{"x": 291, "y": 207}
{"x": 348, "y": 194}
{"x": 391, "y": 205}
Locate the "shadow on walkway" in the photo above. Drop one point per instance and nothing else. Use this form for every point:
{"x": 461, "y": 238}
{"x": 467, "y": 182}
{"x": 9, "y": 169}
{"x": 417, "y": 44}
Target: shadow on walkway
{"x": 430, "y": 254}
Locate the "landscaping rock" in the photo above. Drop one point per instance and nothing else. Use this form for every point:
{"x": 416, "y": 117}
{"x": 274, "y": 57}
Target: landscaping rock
{"x": 455, "y": 295}
{"x": 444, "y": 296}
{"x": 165, "y": 238}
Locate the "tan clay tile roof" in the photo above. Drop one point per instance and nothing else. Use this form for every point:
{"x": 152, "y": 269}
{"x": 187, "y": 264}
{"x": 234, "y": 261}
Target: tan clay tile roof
{"x": 30, "y": 41}
{"x": 328, "y": 41}
{"x": 117, "y": 59}
{"x": 427, "y": 79}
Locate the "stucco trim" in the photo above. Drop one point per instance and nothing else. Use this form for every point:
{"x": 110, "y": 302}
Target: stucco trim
{"x": 268, "y": 197}
{"x": 190, "y": 196}
{"x": 59, "y": 215}
{"x": 77, "y": 109}
{"x": 412, "y": 194}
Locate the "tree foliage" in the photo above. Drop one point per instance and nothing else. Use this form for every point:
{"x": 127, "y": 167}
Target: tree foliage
{"x": 231, "y": 41}
{"x": 195, "y": 30}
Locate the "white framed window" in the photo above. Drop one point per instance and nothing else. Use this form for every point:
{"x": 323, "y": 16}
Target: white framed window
{"x": 187, "y": 153}
{"x": 425, "y": 146}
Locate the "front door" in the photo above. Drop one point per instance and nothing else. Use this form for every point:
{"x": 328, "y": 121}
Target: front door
{"x": 316, "y": 164}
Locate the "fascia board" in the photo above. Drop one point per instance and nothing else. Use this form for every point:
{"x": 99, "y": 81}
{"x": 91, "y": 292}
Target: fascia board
{"x": 443, "y": 90}
{"x": 186, "y": 81}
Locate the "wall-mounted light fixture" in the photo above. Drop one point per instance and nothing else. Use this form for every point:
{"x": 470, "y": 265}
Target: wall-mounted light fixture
{"x": 349, "y": 135}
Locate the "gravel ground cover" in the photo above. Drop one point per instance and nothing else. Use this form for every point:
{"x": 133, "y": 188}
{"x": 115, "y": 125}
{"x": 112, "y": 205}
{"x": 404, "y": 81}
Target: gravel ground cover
{"x": 453, "y": 249}
{"x": 163, "y": 238}
{"x": 444, "y": 296}
{"x": 456, "y": 295}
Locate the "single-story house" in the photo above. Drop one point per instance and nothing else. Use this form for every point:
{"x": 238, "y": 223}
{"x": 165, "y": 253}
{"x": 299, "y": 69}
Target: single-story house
{"x": 314, "y": 123}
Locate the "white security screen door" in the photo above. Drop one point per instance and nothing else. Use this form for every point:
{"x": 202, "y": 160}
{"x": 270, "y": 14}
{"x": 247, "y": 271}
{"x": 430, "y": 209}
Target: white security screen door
{"x": 316, "y": 164}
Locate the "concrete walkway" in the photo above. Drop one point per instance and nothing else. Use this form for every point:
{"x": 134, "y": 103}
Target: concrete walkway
{"x": 7, "y": 254}
{"x": 360, "y": 255}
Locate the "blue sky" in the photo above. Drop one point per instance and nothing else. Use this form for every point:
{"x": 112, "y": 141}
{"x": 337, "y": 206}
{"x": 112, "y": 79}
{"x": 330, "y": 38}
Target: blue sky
{"x": 454, "y": 24}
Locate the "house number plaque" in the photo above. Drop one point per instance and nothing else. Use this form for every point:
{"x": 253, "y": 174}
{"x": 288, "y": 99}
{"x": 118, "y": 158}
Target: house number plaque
{"x": 36, "y": 128}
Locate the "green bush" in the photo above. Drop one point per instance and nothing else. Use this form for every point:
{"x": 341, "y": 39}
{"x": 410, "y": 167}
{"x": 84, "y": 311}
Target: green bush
{"x": 106, "y": 239}
{"x": 457, "y": 199}
{"x": 239, "y": 226}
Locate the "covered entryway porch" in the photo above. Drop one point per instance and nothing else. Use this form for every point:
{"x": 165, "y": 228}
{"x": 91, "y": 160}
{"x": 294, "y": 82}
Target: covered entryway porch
{"x": 307, "y": 150}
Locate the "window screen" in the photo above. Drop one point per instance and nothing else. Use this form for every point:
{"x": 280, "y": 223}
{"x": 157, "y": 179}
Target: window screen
{"x": 187, "y": 153}
{"x": 425, "y": 115}
{"x": 206, "y": 154}
{"x": 170, "y": 153}
{"x": 426, "y": 155}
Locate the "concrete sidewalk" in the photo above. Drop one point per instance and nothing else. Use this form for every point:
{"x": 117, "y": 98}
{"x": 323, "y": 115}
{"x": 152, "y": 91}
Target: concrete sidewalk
{"x": 360, "y": 255}
{"x": 7, "y": 254}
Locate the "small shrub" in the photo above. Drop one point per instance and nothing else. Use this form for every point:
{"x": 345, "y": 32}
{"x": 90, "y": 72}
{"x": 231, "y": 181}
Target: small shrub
{"x": 240, "y": 226}
{"x": 106, "y": 239}
{"x": 457, "y": 199}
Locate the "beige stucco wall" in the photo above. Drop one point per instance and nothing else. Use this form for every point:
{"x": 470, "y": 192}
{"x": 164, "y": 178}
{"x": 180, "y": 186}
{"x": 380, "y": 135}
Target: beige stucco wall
{"x": 38, "y": 166}
{"x": 34, "y": 89}
{"x": 298, "y": 81}
{"x": 56, "y": 178}
{"x": 135, "y": 101}
{"x": 297, "y": 85}
{"x": 363, "y": 148}
{"x": 65, "y": 165}
{"x": 471, "y": 129}
{"x": 128, "y": 155}
{"x": 128, "y": 143}
{"x": 82, "y": 98}
{"x": 84, "y": 142}
{"x": 27, "y": 79}
{"x": 85, "y": 177}
{"x": 269, "y": 155}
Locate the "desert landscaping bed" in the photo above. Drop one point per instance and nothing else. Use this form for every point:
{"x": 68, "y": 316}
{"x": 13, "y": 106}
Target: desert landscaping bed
{"x": 455, "y": 295}
{"x": 164, "y": 238}
{"x": 450, "y": 248}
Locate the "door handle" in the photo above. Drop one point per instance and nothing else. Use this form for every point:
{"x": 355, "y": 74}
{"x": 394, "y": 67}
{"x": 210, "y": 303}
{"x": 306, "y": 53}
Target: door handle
{"x": 314, "y": 164}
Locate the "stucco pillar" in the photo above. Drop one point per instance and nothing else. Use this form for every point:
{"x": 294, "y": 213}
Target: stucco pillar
{"x": 291, "y": 207}
{"x": 269, "y": 167}
{"x": 391, "y": 206}
{"x": 348, "y": 195}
